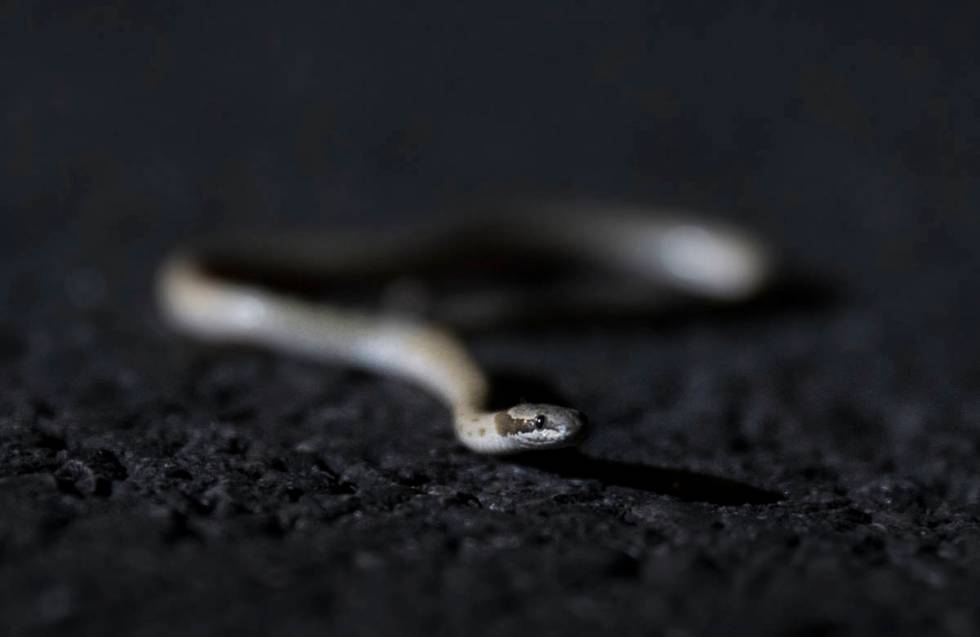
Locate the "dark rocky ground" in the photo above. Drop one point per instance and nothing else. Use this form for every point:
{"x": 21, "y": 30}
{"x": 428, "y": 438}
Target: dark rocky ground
{"x": 805, "y": 464}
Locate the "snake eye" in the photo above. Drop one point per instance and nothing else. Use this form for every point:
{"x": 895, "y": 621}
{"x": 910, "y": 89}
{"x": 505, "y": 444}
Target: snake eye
{"x": 539, "y": 422}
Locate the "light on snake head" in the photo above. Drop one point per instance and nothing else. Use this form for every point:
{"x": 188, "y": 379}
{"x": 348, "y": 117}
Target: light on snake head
{"x": 536, "y": 426}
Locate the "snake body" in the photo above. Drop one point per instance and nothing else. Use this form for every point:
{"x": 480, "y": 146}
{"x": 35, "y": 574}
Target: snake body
{"x": 692, "y": 256}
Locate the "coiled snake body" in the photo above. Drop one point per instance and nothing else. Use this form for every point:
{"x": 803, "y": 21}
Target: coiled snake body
{"x": 205, "y": 300}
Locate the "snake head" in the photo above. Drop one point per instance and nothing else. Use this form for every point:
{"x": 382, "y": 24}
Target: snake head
{"x": 541, "y": 426}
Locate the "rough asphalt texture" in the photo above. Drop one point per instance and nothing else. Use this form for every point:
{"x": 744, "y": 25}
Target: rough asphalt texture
{"x": 806, "y": 464}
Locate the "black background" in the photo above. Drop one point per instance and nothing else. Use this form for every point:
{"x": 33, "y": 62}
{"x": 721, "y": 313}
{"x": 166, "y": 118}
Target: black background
{"x": 150, "y": 485}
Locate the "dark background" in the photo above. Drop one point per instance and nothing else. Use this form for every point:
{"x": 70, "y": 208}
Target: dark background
{"x": 805, "y": 465}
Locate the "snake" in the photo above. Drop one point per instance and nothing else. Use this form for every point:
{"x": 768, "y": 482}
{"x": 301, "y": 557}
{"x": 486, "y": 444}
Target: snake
{"x": 209, "y": 291}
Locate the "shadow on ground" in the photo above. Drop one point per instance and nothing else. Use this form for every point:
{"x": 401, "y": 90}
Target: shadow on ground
{"x": 685, "y": 485}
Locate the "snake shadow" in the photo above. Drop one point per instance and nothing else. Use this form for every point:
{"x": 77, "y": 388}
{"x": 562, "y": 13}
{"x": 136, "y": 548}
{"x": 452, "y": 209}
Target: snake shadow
{"x": 691, "y": 486}
{"x": 511, "y": 387}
